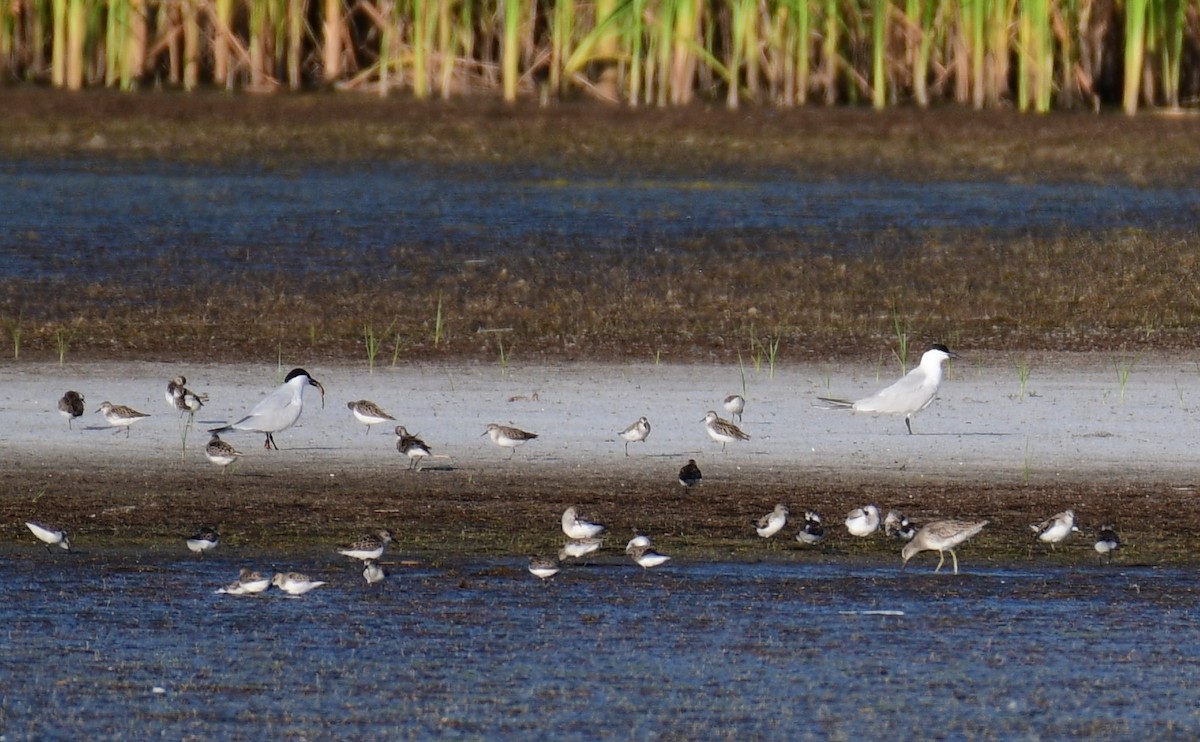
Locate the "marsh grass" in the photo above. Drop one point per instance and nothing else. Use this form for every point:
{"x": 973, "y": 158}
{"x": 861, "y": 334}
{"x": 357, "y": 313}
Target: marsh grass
{"x": 1092, "y": 303}
{"x": 373, "y": 341}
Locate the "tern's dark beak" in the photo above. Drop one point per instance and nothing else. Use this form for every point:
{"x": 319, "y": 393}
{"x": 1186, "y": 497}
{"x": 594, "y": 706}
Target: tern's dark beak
{"x": 317, "y": 384}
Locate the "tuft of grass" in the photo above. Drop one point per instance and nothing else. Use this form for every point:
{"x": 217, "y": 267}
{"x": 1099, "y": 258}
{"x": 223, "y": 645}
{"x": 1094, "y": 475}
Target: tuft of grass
{"x": 504, "y": 355}
{"x": 62, "y": 341}
{"x": 901, "y": 330}
{"x": 773, "y": 354}
{"x": 1022, "y": 364}
{"x": 437, "y": 322}
{"x": 373, "y": 342}
{"x": 15, "y": 332}
{"x": 1124, "y": 366}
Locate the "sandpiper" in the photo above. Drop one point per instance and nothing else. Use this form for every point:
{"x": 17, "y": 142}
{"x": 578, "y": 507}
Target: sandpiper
{"x": 508, "y": 437}
{"x": 49, "y": 536}
{"x": 120, "y": 416}
{"x": 1057, "y": 528}
{"x": 646, "y": 557}
{"x": 575, "y": 527}
{"x": 773, "y": 522}
{"x": 734, "y": 404}
{"x": 294, "y": 583}
{"x": 689, "y": 475}
{"x": 180, "y": 398}
{"x": 71, "y": 406}
{"x": 1107, "y": 541}
{"x": 203, "y": 539}
{"x": 579, "y": 547}
{"x": 863, "y": 521}
{"x": 372, "y": 572}
{"x": 941, "y": 536}
{"x": 812, "y": 533}
{"x": 368, "y": 413}
{"x": 412, "y": 447}
{"x": 638, "y": 431}
{"x": 897, "y": 525}
{"x": 722, "y": 431}
{"x": 543, "y": 567}
{"x": 368, "y": 547}
{"x": 220, "y": 453}
{"x": 247, "y": 583}
{"x": 637, "y": 542}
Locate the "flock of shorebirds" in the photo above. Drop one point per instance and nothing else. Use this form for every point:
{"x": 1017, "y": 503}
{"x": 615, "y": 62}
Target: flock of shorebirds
{"x": 279, "y": 410}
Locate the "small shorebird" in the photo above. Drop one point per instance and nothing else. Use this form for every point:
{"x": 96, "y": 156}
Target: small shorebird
{"x": 508, "y": 437}
{"x": 49, "y": 536}
{"x": 897, "y": 525}
{"x": 812, "y": 533}
{"x": 180, "y": 398}
{"x": 734, "y": 405}
{"x": 119, "y": 416}
{"x": 412, "y": 447}
{"x": 579, "y": 547}
{"x": 576, "y": 528}
{"x": 372, "y": 572}
{"x": 773, "y": 522}
{"x": 941, "y": 536}
{"x": 863, "y": 521}
{"x": 914, "y": 392}
{"x": 689, "y": 475}
{"x": 368, "y": 547}
{"x": 368, "y": 413}
{"x": 636, "y": 432}
{"x": 247, "y": 583}
{"x": 203, "y": 539}
{"x": 1107, "y": 541}
{"x": 722, "y": 431}
{"x": 543, "y": 567}
{"x": 646, "y": 557}
{"x": 637, "y": 541}
{"x": 1056, "y": 529}
{"x": 220, "y": 453}
{"x": 279, "y": 410}
{"x": 71, "y": 406}
{"x": 294, "y": 583}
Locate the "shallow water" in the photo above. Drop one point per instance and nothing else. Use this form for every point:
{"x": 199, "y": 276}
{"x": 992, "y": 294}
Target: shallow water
{"x": 92, "y": 218}
{"x": 130, "y": 644}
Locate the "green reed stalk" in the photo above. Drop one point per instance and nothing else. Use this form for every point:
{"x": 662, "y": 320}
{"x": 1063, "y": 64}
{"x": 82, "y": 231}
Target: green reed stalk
{"x": 664, "y": 44}
{"x": 803, "y": 50}
{"x": 635, "y": 34}
{"x": 421, "y": 49}
{"x": 829, "y": 51}
{"x": 191, "y": 45}
{"x": 437, "y": 322}
{"x": 924, "y": 12}
{"x": 295, "y": 14}
{"x": 1135, "y": 49}
{"x": 737, "y": 45}
{"x": 445, "y": 46}
{"x": 58, "y": 43}
{"x": 688, "y": 15}
{"x": 509, "y": 72}
{"x": 1174, "y": 21}
{"x": 879, "y": 54}
{"x": 75, "y": 43}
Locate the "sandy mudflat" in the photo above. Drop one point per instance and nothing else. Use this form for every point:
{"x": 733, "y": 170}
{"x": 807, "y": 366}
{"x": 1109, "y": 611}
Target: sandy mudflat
{"x": 980, "y": 450}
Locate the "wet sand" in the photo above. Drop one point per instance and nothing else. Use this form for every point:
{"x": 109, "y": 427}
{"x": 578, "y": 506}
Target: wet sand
{"x": 980, "y": 451}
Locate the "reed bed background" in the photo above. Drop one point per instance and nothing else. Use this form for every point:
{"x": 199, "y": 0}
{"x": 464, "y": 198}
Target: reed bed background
{"x": 1029, "y": 54}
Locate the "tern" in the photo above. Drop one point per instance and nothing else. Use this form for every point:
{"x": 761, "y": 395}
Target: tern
{"x": 279, "y": 410}
{"x": 915, "y": 391}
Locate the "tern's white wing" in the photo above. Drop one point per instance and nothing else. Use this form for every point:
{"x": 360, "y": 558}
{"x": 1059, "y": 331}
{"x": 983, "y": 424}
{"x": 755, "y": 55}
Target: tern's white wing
{"x": 911, "y": 393}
